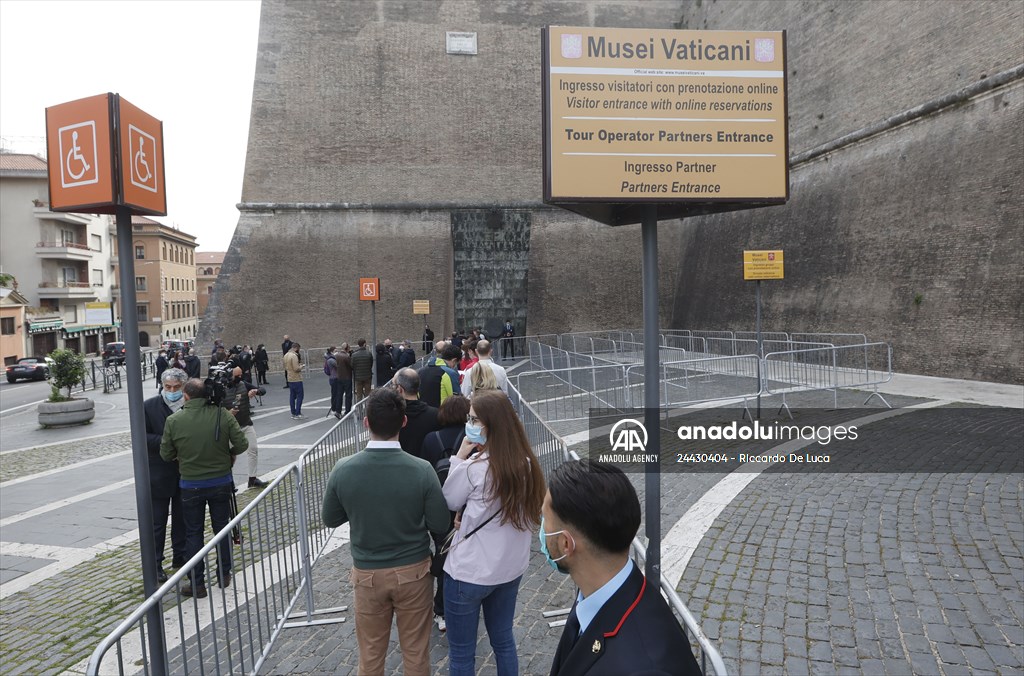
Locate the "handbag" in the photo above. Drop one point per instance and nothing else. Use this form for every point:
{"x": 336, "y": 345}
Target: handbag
{"x": 438, "y": 559}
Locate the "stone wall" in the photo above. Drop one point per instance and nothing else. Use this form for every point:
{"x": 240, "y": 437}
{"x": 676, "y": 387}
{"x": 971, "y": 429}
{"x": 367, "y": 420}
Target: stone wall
{"x": 373, "y": 152}
{"x": 911, "y": 235}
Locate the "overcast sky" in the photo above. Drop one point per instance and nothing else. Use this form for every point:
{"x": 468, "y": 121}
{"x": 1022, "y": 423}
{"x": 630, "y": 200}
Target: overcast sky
{"x": 189, "y": 63}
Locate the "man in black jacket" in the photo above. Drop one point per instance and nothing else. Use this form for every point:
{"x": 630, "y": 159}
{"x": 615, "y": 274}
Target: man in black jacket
{"x": 286, "y": 347}
{"x": 619, "y": 624}
{"x": 421, "y": 417}
{"x": 165, "y": 493}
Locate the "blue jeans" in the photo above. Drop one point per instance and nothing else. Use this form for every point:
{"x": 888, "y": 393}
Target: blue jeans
{"x": 295, "y": 395}
{"x": 462, "y": 604}
{"x": 193, "y": 502}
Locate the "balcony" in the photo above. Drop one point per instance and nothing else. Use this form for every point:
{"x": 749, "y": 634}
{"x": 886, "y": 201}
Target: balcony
{"x": 72, "y": 251}
{"x": 44, "y": 214}
{"x": 78, "y": 290}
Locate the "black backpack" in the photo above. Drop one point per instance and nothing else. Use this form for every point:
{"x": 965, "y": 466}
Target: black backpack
{"x": 443, "y": 465}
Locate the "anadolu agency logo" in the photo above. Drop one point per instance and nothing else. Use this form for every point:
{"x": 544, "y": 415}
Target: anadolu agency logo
{"x": 628, "y": 440}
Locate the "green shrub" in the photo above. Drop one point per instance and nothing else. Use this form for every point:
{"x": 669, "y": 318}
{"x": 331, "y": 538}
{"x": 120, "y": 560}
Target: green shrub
{"x": 66, "y": 371}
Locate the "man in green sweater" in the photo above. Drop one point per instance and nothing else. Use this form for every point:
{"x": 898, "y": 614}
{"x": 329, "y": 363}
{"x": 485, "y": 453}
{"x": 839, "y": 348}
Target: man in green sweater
{"x": 390, "y": 500}
{"x": 204, "y": 462}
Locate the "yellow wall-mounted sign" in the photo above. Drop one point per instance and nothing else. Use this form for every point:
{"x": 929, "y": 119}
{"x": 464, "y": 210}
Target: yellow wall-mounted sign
{"x": 421, "y": 307}
{"x": 762, "y": 265}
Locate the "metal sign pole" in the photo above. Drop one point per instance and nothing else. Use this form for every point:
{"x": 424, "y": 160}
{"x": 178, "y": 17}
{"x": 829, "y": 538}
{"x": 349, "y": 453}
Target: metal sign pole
{"x": 760, "y": 345}
{"x": 652, "y": 402}
{"x": 373, "y": 342}
{"x": 140, "y": 450}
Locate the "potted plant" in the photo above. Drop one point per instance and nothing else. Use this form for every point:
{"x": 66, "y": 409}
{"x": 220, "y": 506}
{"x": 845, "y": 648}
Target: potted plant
{"x": 66, "y": 370}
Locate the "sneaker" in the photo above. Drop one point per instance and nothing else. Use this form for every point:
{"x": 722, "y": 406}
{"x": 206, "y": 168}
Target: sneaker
{"x": 338, "y": 416}
{"x": 299, "y": 417}
{"x": 200, "y": 590}
{"x": 441, "y": 625}
{"x": 255, "y": 482}
{"x": 295, "y": 417}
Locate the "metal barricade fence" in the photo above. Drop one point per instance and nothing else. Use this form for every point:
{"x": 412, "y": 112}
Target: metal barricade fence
{"x": 828, "y": 368}
{"x": 693, "y": 381}
{"x": 278, "y": 538}
{"x": 233, "y": 628}
{"x": 831, "y": 338}
{"x": 564, "y": 394}
{"x": 765, "y": 335}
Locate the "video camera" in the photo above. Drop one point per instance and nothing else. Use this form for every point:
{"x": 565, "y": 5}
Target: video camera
{"x": 219, "y": 380}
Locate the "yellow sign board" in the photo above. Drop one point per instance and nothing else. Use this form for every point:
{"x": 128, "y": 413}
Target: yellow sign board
{"x": 762, "y": 265}
{"x": 421, "y": 307}
{"x": 638, "y": 115}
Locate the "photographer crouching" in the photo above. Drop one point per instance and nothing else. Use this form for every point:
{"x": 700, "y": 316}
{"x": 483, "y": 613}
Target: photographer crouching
{"x": 204, "y": 440}
{"x": 238, "y": 393}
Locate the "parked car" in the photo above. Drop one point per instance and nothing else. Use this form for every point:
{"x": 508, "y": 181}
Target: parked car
{"x": 178, "y": 345}
{"x": 29, "y": 368}
{"x": 113, "y": 353}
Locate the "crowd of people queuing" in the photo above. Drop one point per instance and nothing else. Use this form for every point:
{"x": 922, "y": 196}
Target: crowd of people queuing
{"x": 443, "y": 505}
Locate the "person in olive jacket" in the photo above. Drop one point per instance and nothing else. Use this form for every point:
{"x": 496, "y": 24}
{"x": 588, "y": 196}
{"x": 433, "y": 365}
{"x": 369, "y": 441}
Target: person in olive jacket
{"x": 204, "y": 440}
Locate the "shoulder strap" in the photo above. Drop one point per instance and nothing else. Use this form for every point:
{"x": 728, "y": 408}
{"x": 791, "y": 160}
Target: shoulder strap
{"x": 489, "y": 519}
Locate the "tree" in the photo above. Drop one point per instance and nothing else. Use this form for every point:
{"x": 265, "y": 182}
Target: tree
{"x": 66, "y": 371}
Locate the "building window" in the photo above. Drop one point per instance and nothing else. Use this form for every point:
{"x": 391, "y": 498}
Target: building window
{"x": 140, "y": 283}
{"x": 209, "y": 290}
{"x": 70, "y": 314}
{"x": 97, "y": 242}
{"x": 142, "y": 312}
{"x": 140, "y": 252}
{"x": 69, "y": 276}
{"x": 164, "y": 255}
{"x": 7, "y": 326}
{"x": 97, "y": 277}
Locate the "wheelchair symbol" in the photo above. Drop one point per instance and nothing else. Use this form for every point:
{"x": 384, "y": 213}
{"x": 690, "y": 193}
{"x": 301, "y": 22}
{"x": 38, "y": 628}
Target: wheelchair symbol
{"x": 369, "y": 289}
{"x": 76, "y": 154}
{"x": 77, "y": 146}
{"x": 142, "y": 154}
{"x": 140, "y": 158}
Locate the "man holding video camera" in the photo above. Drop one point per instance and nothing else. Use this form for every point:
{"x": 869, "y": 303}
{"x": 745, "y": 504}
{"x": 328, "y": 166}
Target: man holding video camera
{"x": 238, "y": 394}
{"x": 204, "y": 440}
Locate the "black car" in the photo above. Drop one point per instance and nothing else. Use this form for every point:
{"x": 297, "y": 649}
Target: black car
{"x": 29, "y": 368}
{"x": 113, "y": 353}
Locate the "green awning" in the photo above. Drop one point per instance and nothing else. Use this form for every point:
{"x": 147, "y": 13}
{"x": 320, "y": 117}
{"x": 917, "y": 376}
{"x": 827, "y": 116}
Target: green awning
{"x": 48, "y": 325}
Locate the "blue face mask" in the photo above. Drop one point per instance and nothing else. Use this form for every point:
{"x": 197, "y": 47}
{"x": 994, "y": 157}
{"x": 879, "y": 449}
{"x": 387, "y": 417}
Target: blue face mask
{"x": 544, "y": 547}
{"x": 173, "y": 396}
{"x": 475, "y": 433}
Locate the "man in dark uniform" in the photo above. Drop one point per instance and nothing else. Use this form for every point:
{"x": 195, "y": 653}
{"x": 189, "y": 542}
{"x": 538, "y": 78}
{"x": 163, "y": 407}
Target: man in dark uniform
{"x": 508, "y": 334}
{"x": 164, "y": 491}
{"x": 619, "y": 624}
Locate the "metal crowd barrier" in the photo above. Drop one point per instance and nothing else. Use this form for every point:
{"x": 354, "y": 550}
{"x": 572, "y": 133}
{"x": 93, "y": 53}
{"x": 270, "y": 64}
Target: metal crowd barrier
{"x": 828, "y": 368}
{"x": 278, "y": 537}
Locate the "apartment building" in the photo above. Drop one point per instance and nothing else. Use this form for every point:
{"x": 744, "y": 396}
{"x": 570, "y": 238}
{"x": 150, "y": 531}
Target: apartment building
{"x": 207, "y": 268}
{"x": 165, "y": 281}
{"x": 59, "y": 261}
